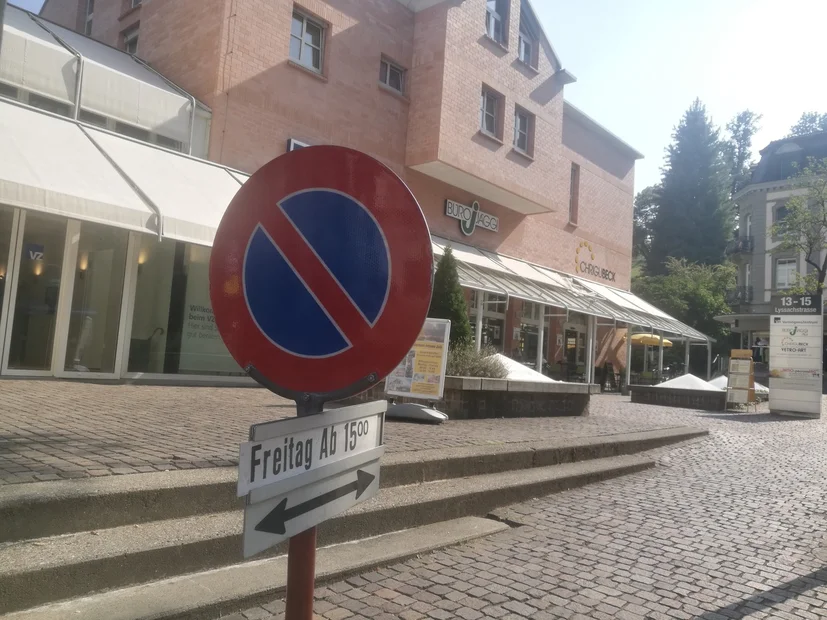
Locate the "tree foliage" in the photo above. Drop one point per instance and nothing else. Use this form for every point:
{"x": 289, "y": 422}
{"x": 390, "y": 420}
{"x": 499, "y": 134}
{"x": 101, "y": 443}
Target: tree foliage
{"x": 692, "y": 293}
{"x": 810, "y": 122}
{"x": 804, "y": 228}
{"x": 738, "y": 148}
{"x": 448, "y": 300}
{"x": 694, "y": 216}
{"x": 646, "y": 209}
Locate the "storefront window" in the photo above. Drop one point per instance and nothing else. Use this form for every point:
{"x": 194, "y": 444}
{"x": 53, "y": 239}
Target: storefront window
{"x": 173, "y": 327}
{"x": 6, "y": 220}
{"x": 96, "y": 299}
{"x": 493, "y": 324}
{"x": 38, "y": 284}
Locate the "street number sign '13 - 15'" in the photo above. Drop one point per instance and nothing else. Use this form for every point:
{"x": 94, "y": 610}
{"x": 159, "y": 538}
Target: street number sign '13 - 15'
{"x": 321, "y": 271}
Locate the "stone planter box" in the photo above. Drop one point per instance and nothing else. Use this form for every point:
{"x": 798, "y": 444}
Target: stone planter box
{"x": 672, "y": 397}
{"x": 467, "y": 398}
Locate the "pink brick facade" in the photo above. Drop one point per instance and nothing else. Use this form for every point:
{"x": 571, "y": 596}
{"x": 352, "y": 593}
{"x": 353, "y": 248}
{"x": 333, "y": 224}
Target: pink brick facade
{"x": 235, "y": 58}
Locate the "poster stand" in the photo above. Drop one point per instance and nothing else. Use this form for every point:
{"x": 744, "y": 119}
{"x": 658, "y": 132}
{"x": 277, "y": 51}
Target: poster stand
{"x": 741, "y": 379}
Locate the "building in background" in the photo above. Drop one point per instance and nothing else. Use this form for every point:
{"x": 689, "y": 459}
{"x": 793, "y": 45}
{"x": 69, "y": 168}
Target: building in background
{"x": 464, "y": 100}
{"x": 763, "y": 268}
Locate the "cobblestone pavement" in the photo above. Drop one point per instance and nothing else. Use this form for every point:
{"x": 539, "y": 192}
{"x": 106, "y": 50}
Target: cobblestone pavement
{"x": 59, "y": 429}
{"x": 728, "y": 526}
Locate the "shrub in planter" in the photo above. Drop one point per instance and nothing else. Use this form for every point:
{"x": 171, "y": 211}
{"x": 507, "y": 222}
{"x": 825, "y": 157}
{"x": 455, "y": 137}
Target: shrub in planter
{"x": 448, "y": 300}
{"x": 466, "y": 361}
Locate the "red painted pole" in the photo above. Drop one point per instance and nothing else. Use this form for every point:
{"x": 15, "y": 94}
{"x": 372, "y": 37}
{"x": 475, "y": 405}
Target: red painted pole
{"x": 301, "y": 575}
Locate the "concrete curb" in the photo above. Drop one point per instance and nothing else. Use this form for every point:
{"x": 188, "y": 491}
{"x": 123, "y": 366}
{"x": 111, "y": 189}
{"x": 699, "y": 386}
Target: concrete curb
{"x": 51, "y": 508}
{"x": 203, "y": 596}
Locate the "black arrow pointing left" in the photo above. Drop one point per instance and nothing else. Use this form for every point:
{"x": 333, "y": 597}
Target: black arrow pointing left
{"x": 276, "y": 520}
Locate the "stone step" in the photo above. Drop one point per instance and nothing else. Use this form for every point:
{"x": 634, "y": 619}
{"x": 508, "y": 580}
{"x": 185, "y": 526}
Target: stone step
{"x": 51, "y": 508}
{"x": 39, "y": 571}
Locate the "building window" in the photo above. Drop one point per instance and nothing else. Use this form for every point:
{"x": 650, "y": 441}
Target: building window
{"x": 306, "y": 40}
{"x": 169, "y": 143}
{"x": 295, "y": 145}
{"x": 130, "y": 40}
{"x": 87, "y": 25}
{"x": 392, "y": 76}
{"x": 173, "y": 329}
{"x": 495, "y": 19}
{"x": 6, "y": 90}
{"x": 747, "y": 275}
{"x": 524, "y": 131}
{"x": 574, "y": 193}
{"x": 136, "y": 3}
{"x": 490, "y": 113}
{"x": 786, "y": 270}
{"x": 748, "y": 222}
{"x": 50, "y": 105}
{"x": 132, "y": 131}
{"x": 93, "y": 119}
{"x": 528, "y": 43}
{"x": 781, "y": 214}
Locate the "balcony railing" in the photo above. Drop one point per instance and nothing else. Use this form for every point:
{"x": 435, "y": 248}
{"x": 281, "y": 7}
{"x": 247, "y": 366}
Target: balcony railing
{"x": 740, "y": 295}
{"x": 741, "y": 245}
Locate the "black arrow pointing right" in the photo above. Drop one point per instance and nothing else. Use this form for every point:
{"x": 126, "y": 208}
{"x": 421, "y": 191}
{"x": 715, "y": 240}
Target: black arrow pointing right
{"x": 276, "y": 520}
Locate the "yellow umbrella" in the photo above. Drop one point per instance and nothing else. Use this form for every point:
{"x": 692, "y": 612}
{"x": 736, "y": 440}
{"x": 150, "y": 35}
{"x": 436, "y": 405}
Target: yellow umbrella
{"x": 651, "y": 339}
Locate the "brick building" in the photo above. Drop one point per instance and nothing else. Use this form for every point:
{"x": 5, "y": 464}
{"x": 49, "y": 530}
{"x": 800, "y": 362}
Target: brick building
{"x": 464, "y": 99}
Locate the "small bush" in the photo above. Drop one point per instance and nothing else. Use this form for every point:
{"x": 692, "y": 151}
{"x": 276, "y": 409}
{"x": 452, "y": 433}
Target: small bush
{"x": 466, "y": 361}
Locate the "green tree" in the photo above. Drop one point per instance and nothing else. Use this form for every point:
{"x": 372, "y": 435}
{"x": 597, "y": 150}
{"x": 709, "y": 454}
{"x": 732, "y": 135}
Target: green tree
{"x": 738, "y": 148}
{"x": 804, "y": 228}
{"x": 646, "y": 209}
{"x": 692, "y": 293}
{"x": 694, "y": 219}
{"x": 810, "y": 122}
{"x": 448, "y": 300}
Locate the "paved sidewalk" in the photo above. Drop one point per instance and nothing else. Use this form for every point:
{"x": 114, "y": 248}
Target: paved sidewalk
{"x": 51, "y": 430}
{"x": 729, "y": 526}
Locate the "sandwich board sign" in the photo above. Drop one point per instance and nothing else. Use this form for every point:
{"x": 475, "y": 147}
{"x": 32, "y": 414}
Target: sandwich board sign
{"x": 796, "y": 350}
{"x": 421, "y": 373}
{"x": 320, "y": 280}
{"x": 741, "y": 377}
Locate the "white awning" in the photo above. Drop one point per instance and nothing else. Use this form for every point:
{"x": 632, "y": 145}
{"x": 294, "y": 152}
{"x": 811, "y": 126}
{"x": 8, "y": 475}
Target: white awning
{"x": 191, "y": 194}
{"x": 48, "y": 164}
{"x": 117, "y": 86}
{"x": 492, "y": 272}
{"x": 32, "y": 59}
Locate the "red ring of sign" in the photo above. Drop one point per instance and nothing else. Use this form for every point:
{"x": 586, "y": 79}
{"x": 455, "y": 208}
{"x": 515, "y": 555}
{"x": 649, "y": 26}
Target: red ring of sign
{"x": 398, "y": 214}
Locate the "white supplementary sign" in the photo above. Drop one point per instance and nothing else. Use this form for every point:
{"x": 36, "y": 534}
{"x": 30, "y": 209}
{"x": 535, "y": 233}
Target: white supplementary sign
{"x": 471, "y": 217}
{"x": 308, "y": 500}
{"x": 796, "y": 350}
{"x": 284, "y": 449}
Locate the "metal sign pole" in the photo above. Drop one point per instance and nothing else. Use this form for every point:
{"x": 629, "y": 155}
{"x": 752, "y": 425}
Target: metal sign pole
{"x": 301, "y": 553}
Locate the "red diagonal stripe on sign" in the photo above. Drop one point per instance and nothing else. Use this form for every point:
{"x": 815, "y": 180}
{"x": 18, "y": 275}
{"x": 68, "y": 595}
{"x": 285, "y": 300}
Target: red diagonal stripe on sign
{"x": 318, "y": 280}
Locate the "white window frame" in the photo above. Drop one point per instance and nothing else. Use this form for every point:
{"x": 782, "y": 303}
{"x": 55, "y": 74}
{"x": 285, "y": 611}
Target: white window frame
{"x": 527, "y": 43}
{"x": 87, "y": 24}
{"x": 295, "y": 145}
{"x": 389, "y": 66}
{"x": 486, "y": 96}
{"x": 130, "y": 35}
{"x": 749, "y": 224}
{"x": 790, "y": 274}
{"x": 493, "y": 18}
{"x": 305, "y": 20}
{"x": 747, "y": 276}
{"x": 518, "y": 114}
{"x": 136, "y": 3}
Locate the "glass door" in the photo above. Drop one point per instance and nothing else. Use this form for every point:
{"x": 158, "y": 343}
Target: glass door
{"x": 97, "y": 294}
{"x": 8, "y": 231}
{"x": 32, "y": 311}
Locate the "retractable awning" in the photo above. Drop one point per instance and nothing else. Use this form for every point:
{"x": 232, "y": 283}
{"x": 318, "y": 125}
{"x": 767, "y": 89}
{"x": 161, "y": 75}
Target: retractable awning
{"x": 50, "y": 165}
{"x": 489, "y": 271}
{"x": 191, "y": 194}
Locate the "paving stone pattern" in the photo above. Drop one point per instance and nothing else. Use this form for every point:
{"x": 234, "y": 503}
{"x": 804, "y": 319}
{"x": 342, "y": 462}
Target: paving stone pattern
{"x": 51, "y": 430}
{"x": 728, "y": 526}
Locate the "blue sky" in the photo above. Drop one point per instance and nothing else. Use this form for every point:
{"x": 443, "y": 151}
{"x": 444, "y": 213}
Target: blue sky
{"x": 640, "y": 63}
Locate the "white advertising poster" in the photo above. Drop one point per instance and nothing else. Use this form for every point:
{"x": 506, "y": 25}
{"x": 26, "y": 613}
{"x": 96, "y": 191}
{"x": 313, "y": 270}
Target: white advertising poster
{"x": 796, "y": 337}
{"x": 421, "y": 374}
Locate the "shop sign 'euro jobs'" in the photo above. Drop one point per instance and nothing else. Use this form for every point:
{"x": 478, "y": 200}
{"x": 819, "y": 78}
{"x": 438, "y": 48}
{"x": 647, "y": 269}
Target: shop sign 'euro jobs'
{"x": 320, "y": 279}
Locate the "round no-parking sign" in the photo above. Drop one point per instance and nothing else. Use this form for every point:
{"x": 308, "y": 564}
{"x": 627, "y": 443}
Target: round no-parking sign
{"x": 321, "y": 271}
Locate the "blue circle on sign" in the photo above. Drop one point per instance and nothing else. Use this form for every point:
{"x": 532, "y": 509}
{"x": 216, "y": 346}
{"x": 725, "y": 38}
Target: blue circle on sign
{"x": 347, "y": 240}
